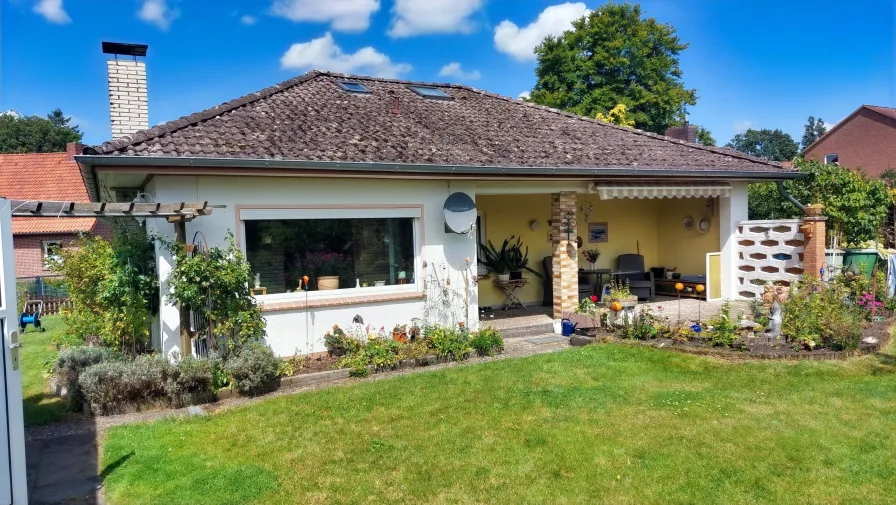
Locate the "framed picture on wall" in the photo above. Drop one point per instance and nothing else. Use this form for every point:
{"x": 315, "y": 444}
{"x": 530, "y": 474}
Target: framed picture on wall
{"x": 597, "y": 232}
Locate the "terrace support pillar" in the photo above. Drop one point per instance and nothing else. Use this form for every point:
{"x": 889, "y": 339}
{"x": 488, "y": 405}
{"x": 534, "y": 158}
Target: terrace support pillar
{"x": 814, "y": 235}
{"x": 180, "y": 237}
{"x": 564, "y": 267}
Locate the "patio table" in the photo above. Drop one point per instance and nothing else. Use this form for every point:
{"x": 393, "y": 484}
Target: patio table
{"x": 509, "y": 288}
{"x": 598, "y": 274}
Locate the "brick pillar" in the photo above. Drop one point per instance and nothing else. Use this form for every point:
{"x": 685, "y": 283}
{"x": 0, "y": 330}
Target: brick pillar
{"x": 814, "y": 234}
{"x": 565, "y": 266}
{"x": 127, "y": 97}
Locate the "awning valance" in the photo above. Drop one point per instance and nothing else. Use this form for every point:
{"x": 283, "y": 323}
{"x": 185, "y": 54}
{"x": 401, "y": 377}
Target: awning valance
{"x": 612, "y": 190}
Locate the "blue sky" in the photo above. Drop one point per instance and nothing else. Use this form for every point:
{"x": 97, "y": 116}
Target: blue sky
{"x": 760, "y": 63}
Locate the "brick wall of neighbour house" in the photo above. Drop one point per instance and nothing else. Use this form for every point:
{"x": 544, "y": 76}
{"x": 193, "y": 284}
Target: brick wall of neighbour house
{"x": 29, "y": 253}
{"x": 867, "y": 141}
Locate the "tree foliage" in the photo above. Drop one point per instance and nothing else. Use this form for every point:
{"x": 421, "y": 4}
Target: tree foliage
{"x": 773, "y": 145}
{"x": 217, "y": 285}
{"x": 856, "y": 206}
{"x": 615, "y": 56}
{"x": 617, "y": 115}
{"x": 34, "y": 134}
{"x": 813, "y": 131}
{"x": 704, "y": 136}
{"x": 113, "y": 287}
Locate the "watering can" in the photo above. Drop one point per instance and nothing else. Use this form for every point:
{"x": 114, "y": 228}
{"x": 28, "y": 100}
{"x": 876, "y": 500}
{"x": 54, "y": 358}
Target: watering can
{"x": 568, "y": 327}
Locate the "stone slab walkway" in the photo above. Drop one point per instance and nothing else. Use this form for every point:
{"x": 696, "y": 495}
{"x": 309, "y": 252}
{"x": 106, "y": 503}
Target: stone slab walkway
{"x": 63, "y": 458}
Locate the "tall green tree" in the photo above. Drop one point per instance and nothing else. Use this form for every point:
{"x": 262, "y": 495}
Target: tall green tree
{"x": 610, "y": 56}
{"x": 34, "y": 134}
{"x": 704, "y": 136}
{"x": 773, "y": 145}
{"x": 813, "y": 131}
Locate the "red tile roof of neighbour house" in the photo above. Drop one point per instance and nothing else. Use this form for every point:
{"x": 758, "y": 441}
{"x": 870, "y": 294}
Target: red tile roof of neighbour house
{"x": 312, "y": 118}
{"x": 44, "y": 176}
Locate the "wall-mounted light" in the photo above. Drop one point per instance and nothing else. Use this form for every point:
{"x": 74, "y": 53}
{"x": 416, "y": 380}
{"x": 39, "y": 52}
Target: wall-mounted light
{"x": 534, "y": 225}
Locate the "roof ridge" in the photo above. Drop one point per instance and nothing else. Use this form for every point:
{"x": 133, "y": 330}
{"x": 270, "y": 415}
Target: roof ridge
{"x": 32, "y": 154}
{"x": 204, "y": 115}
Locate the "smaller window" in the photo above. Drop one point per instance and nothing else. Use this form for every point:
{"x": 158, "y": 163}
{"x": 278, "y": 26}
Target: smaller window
{"x": 431, "y": 92}
{"x": 831, "y": 158}
{"x": 51, "y": 252}
{"x": 353, "y": 87}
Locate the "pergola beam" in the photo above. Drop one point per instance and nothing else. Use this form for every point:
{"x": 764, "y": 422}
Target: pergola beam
{"x": 23, "y": 208}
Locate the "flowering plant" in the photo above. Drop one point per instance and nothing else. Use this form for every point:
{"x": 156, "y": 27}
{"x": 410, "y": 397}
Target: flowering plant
{"x": 869, "y": 303}
{"x": 591, "y": 255}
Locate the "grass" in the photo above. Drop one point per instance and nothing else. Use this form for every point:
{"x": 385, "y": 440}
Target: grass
{"x": 41, "y": 407}
{"x": 601, "y": 424}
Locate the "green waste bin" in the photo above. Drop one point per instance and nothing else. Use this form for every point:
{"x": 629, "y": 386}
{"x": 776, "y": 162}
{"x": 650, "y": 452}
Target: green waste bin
{"x": 860, "y": 261}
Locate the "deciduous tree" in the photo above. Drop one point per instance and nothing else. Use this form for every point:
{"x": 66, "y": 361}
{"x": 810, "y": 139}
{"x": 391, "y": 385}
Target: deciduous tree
{"x": 33, "y": 134}
{"x": 773, "y": 145}
{"x": 813, "y": 131}
{"x": 610, "y": 56}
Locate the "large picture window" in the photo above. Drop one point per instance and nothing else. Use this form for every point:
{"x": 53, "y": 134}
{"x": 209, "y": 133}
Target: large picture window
{"x": 333, "y": 253}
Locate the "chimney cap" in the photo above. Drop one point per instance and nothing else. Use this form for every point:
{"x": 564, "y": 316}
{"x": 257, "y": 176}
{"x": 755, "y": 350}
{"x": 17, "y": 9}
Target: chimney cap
{"x": 122, "y": 48}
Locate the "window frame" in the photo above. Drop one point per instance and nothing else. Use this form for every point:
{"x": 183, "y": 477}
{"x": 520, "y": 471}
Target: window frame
{"x": 45, "y": 252}
{"x": 344, "y": 84}
{"x": 287, "y": 212}
{"x": 828, "y": 161}
{"x": 416, "y": 88}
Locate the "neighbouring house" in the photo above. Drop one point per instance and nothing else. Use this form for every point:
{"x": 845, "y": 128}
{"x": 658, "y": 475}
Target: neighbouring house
{"x": 866, "y": 139}
{"x": 45, "y": 176}
{"x": 350, "y": 176}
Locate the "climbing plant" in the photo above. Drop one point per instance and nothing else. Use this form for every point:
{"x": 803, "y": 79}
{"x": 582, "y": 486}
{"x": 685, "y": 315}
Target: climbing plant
{"x": 216, "y": 284}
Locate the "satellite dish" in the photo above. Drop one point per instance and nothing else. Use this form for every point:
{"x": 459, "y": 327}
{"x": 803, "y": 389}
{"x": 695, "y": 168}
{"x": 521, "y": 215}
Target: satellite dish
{"x": 460, "y": 213}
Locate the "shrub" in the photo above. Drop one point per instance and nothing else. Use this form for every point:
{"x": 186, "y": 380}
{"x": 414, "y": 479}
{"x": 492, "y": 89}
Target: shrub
{"x": 105, "y": 385}
{"x": 382, "y": 352}
{"x": 339, "y": 343}
{"x": 191, "y": 381}
{"x": 487, "y": 342}
{"x": 146, "y": 378}
{"x": 356, "y": 363}
{"x": 416, "y": 350}
{"x": 254, "y": 370}
{"x": 724, "y": 331}
{"x": 72, "y": 362}
{"x": 815, "y": 314}
{"x": 448, "y": 342}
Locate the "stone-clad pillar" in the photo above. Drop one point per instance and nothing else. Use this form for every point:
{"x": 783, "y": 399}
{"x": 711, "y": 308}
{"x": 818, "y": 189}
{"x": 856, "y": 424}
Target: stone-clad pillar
{"x": 565, "y": 267}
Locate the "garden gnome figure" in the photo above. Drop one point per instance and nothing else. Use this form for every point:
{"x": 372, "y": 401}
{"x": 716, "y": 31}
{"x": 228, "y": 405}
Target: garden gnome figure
{"x": 776, "y": 315}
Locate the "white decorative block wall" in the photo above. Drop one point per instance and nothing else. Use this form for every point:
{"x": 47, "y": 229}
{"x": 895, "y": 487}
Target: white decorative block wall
{"x": 767, "y": 252}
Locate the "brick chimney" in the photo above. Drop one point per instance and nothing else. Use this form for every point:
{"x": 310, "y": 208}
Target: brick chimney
{"x": 73, "y": 149}
{"x": 128, "y": 110}
{"x": 687, "y": 132}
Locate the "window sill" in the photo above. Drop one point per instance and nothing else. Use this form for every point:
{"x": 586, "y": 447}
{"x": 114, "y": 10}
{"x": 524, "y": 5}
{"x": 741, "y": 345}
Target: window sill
{"x": 275, "y": 306}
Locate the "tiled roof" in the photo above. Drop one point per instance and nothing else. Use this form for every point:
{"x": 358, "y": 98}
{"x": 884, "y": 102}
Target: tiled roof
{"x": 886, "y": 111}
{"x": 312, "y": 118}
{"x": 44, "y": 176}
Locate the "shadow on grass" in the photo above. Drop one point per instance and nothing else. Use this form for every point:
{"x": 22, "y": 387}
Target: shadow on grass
{"x": 111, "y": 467}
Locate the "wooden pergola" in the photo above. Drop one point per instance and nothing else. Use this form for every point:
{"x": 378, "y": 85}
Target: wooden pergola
{"x": 178, "y": 214}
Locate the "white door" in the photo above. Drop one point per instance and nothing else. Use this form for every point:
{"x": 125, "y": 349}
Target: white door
{"x": 13, "y": 481}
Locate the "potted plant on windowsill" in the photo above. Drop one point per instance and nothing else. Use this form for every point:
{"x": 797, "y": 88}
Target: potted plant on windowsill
{"x": 327, "y": 268}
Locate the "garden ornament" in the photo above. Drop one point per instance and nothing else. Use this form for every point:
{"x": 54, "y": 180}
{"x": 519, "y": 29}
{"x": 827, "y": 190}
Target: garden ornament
{"x": 776, "y": 315}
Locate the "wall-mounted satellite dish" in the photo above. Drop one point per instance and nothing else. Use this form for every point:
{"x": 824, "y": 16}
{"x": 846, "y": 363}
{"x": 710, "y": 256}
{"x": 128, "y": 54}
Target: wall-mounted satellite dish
{"x": 460, "y": 213}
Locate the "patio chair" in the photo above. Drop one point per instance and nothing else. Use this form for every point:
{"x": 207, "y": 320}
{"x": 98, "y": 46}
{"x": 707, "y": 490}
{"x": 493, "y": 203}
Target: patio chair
{"x": 547, "y": 264}
{"x": 641, "y": 281}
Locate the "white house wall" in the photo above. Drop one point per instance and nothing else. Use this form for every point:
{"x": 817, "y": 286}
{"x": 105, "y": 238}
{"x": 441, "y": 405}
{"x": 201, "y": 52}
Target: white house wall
{"x": 445, "y": 254}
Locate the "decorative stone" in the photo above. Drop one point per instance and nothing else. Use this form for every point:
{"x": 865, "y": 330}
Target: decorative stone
{"x": 870, "y": 340}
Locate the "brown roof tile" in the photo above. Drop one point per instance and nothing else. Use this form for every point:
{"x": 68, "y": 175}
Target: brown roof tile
{"x": 311, "y": 118}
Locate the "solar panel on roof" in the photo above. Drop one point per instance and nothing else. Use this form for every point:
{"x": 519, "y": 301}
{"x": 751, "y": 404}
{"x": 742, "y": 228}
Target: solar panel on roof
{"x": 430, "y": 92}
{"x": 354, "y": 87}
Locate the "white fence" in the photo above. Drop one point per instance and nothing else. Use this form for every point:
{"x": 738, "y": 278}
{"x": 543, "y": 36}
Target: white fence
{"x": 767, "y": 252}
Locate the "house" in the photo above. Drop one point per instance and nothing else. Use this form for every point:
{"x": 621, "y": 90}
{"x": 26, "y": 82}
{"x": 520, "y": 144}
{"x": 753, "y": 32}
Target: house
{"x": 45, "y": 176}
{"x": 866, "y": 139}
{"x": 388, "y": 186}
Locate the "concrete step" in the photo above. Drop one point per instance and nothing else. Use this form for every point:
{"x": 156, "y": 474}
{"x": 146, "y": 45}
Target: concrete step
{"x": 521, "y": 327}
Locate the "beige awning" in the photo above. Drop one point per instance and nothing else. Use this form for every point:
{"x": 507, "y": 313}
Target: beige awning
{"x": 611, "y": 190}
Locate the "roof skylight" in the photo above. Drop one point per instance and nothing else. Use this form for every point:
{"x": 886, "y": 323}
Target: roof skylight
{"x": 430, "y": 92}
{"x": 353, "y": 87}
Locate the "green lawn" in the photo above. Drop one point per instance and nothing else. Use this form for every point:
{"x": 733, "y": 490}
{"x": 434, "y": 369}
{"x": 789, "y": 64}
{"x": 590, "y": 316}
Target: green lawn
{"x": 41, "y": 407}
{"x": 601, "y": 424}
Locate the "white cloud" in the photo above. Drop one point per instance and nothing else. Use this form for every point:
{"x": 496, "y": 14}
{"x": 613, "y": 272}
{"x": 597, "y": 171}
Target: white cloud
{"x": 742, "y": 126}
{"x": 52, "y": 11}
{"x": 343, "y": 15}
{"x": 454, "y": 69}
{"x": 323, "y": 53}
{"x": 248, "y": 20}
{"x": 157, "y": 12}
{"x": 524, "y": 95}
{"x": 416, "y": 17}
{"x": 520, "y": 42}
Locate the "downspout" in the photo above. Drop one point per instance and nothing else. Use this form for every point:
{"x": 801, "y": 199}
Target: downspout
{"x": 790, "y": 197}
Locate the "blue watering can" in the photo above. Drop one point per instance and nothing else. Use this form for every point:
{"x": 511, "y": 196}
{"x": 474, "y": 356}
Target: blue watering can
{"x": 568, "y": 328}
